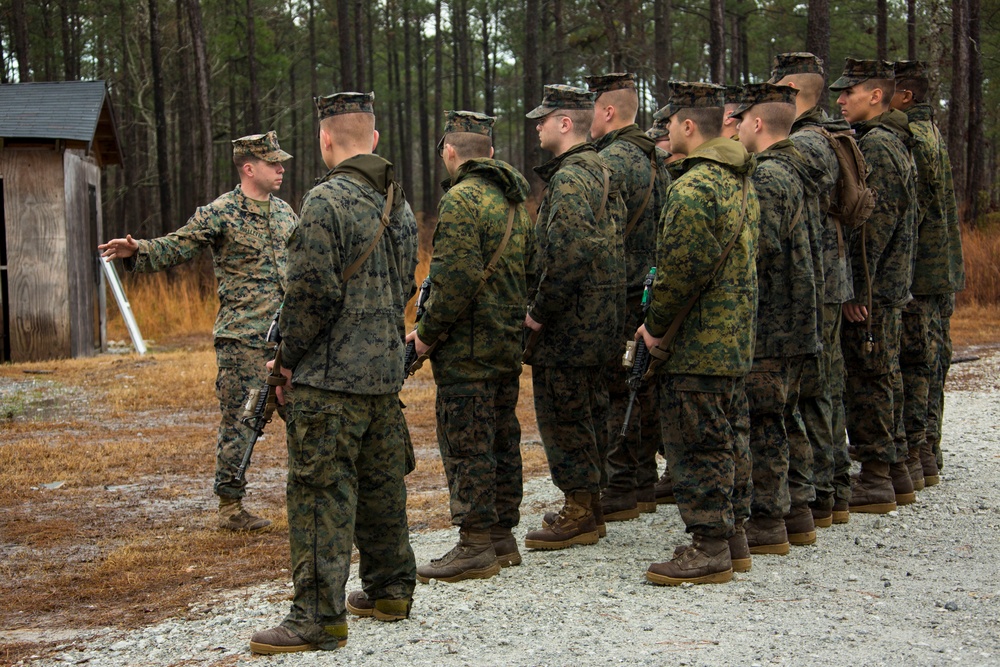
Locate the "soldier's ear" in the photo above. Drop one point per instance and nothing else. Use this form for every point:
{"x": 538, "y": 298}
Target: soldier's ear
{"x": 491, "y": 151}
{"x": 374, "y": 140}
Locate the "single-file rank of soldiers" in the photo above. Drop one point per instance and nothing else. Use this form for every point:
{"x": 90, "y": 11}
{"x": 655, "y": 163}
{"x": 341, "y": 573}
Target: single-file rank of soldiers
{"x": 779, "y": 281}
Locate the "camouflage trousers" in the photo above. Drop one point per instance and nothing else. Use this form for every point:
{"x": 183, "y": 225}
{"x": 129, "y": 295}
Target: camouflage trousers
{"x": 241, "y": 368}
{"x": 631, "y": 459}
{"x": 571, "y": 406}
{"x": 941, "y": 332}
{"x": 780, "y": 451}
{"x": 917, "y": 355}
{"x": 480, "y": 442}
{"x": 873, "y": 383}
{"x": 706, "y": 427}
{"x": 347, "y": 457}
{"x": 821, "y": 404}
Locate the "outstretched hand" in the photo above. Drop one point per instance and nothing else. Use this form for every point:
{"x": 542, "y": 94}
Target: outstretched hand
{"x": 119, "y": 248}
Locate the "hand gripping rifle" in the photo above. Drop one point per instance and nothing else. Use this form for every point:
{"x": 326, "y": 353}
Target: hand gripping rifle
{"x": 261, "y": 403}
{"x": 413, "y": 361}
{"x": 636, "y": 358}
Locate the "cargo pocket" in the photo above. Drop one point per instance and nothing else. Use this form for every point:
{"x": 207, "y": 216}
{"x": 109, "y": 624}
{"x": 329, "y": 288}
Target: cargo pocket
{"x": 465, "y": 421}
{"x": 858, "y": 360}
{"x": 313, "y": 444}
{"x": 914, "y": 350}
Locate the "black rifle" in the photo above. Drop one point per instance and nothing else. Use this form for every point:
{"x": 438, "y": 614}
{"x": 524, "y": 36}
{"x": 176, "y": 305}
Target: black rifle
{"x": 636, "y": 357}
{"x": 412, "y": 361}
{"x": 261, "y": 403}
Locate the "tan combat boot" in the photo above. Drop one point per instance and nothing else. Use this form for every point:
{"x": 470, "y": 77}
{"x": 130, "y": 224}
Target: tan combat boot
{"x": 664, "y": 489}
{"x": 619, "y": 506}
{"x": 916, "y": 469}
{"x": 739, "y": 550}
{"x": 766, "y": 535}
{"x": 799, "y": 526}
{"x": 382, "y": 610}
{"x": 472, "y": 558}
{"x": 232, "y": 516}
{"x": 902, "y": 483}
{"x": 595, "y": 507}
{"x": 645, "y": 498}
{"x": 573, "y": 525}
{"x": 705, "y": 561}
{"x": 871, "y": 489}
{"x": 505, "y": 546}
{"x": 928, "y": 461}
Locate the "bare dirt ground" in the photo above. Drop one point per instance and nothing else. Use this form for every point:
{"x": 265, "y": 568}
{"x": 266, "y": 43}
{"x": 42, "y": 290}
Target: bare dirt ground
{"x": 106, "y": 509}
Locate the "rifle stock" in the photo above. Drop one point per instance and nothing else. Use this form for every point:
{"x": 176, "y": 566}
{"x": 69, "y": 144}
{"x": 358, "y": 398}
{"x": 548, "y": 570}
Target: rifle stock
{"x": 261, "y": 403}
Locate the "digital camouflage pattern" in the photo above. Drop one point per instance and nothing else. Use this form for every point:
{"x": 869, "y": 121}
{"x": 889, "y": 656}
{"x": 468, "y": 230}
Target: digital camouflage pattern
{"x": 701, "y": 214}
{"x": 477, "y": 366}
{"x": 705, "y": 422}
{"x": 605, "y": 83}
{"x": 341, "y": 103}
{"x": 579, "y": 265}
{"x": 248, "y": 245}
{"x": 796, "y": 62}
{"x": 484, "y": 337}
{"x": 349, "y": 337}
{"x": 559, "y": 96}
{"x": 890, "y": 232}
{"x": 684, "y": 95}
{"x": 480, "y": 441}
{"x": 261, "y": 146}
{"x": 759, "y": 93}
{"x": 858, "y": 71}
{"x": 468, "y": 122}
{"x": 942, "y": 362}
{"x": 347, "y": 457}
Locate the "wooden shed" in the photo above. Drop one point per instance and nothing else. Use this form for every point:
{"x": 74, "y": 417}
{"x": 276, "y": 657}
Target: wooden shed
{"x": 55, "y": 138}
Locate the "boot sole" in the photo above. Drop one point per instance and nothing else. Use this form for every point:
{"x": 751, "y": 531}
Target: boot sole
{"x": 602, "y": 531}
{"x": 481, "y": 573}
{"x": 272, "y": 649}
{"x": 918, "y": 484}
{"x": 874, "y": 508}
{"x": 931, "y": 480}
{"x": 714, "y": 578}
{"x": 388, "y": 618}
{"x": 906, "y": 498}
{"x": 822, "y": 522}
{"x": 647, "y": 508}
{"x": 841, "y": 516}
{"x": 622, "y": 515}
{"x": 771, "y": 549}
{"x": 742, "y": 564}
{"x": 364, "y": 612}
{"x": 803, "y": 539}
{"x": 666, "y": 500}
{"x": 509, "y": 560}
{"x": 583, "y": 539}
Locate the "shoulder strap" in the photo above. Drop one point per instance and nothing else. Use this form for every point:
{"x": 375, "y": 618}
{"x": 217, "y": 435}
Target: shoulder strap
{"x": 660, "y": 353}
{"x": 604, "y": 198}
{"x": 645, "y": 200}
{"x": 384, "y": 220}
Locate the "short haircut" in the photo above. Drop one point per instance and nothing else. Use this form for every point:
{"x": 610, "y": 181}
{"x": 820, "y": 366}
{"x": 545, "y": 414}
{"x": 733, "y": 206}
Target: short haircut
{"x": 811, "y": 86}
{"x": 708, "y": 119}
{"x": 887, "y": 86}
{"x": 916, "y": 86}
{"x": 469, "y": 145}
{"x": 777, "y": 117}
{"x": 624, "y": 100}
{"x": 245, "y": 158}
{"x": 350, "y": 130}
{"x": 582, "y": 118}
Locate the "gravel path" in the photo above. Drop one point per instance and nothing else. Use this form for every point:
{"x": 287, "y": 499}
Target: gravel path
{"x": 917, "y": 587}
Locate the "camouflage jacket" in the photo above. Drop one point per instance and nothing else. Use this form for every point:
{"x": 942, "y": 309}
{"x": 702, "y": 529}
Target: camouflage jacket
{"x": 629, "y": 154}
{"x": 484, "y": 337}
{"x": 248, "y": 254}
{"x": 701, "y": 215}
{"x": 816, "y": 150}
{"x": 579, "y": 264}
{"x": 890, "y": 233}
{"x": 789, "y": 281}
{"x": 938, "y": 267}
{"x": 348, "y": 337}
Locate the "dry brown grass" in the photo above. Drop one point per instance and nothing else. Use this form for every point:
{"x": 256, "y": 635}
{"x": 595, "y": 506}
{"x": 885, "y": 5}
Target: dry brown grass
{"x": 165, "y": 304}
{"x": 129, "y": 537}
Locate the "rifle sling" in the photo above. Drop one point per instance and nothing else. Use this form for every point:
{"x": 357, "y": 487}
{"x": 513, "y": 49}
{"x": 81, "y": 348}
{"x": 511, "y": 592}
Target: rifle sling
{"x": 660, "y": 352}
{"x": 645, "y": 200}
{"x": 353, "y": 268}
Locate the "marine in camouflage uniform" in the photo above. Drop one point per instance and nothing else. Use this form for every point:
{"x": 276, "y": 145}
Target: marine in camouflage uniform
{"x": 873, "y": 393}
{"x": 638, "y": 172}
{"x": 938, "y": 273}
{"x": 790, "y": 284}
{"x": 576, "y": 309}
{"x": 477, "y": 361}
{"x": 247, "y": 230}
{"x": 348, "y": 445}
{"x": 703, "y": 405}
{"x": 821, "y": 403}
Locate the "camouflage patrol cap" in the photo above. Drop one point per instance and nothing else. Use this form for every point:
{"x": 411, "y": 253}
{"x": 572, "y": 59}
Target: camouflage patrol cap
{"x": 659, "y": 128}
{"x": 910, "y": 69}
{"x": 797, "y": 62}
{"x": 605, "y": 83}
{"x": 858, "y": 71}
{"x": 341, "y": 103}
{"x": 684, "y": 95}
{"x": 559, "y": 96}
{"x": 733, "y": 94}
{"x": 261, "y": 146}
{"x": 763, "y": 93}
{"x": 466, "y": 121}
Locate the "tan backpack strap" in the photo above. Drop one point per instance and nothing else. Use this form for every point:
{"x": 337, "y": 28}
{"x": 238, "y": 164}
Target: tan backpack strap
{"x": 604, "y": 198}
{"x": 661, "y": 353}
{"x": 645, "y": 200}
{"x": 353, "y": 268}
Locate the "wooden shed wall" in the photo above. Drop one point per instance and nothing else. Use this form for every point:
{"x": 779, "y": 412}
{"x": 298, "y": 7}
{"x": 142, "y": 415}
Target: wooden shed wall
{"x": 34, "y": 212}
{"x": 83, "y": 229}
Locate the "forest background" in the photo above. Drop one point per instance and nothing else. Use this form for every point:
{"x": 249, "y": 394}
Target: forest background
{"x": 188, "y": 76}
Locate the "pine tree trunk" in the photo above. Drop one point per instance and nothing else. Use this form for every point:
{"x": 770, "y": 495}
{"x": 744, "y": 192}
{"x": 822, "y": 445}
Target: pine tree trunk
{"x": 254, "y": 100}
{"x": 662, "y": 55}
{"x": 881, "y": 30}
{"x": 205, "y": 158}
{"x": 344, "y": 44}
{"x": 958, "y": 107}
{"x": 717, "y": 40}
{"x": 160, "y": 114}
{"x": 977, "y": 141}
{"x": 19, "y": 26}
